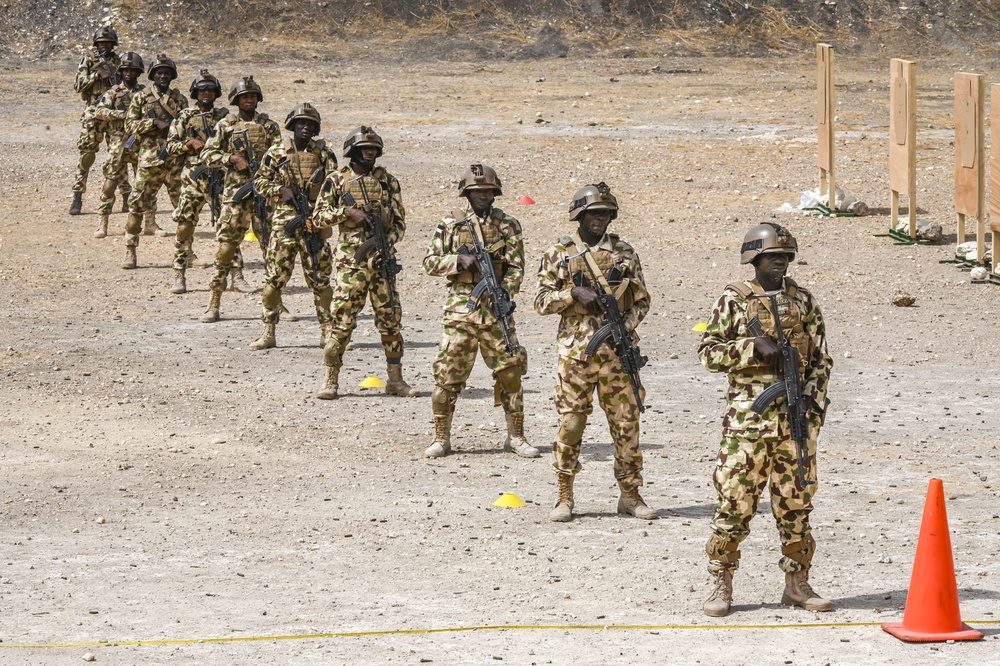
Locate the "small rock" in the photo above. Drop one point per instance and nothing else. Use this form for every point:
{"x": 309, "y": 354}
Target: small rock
{"x": 903, "y": 300}
{"x": 100, "y": 520}
{"x": 848, "y": 354}
{"x": 978, "y": 273}
{"x": 87, "y": 656}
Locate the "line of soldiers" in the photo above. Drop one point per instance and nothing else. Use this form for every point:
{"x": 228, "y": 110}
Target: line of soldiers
{"x": 293, "y": 194}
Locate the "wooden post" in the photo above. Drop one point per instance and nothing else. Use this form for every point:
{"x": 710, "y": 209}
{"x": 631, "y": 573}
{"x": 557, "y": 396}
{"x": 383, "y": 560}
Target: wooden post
{"x": 826, "y": 108}
{"x": 970, "y": 147}
{"x": 903, "y": 139}
{"x": 995, "y": 173}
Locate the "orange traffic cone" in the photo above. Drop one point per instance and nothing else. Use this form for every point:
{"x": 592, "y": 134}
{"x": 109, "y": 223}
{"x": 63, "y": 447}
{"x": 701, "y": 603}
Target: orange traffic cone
{"x": 932, "y": 603}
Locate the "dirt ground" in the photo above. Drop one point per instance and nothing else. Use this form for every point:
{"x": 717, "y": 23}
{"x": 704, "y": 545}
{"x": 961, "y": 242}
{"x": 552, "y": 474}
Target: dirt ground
{"x": 166, "y": 485}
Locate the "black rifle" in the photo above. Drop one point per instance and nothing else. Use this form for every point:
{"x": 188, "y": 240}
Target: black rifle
{"x": 303, "y": 215}
{"x": 614, "y": 331}
{"x": 379, "y": 242}
{"x": 249, "y": 187}
{"x": 215, "y": 182}
{"x": 500, "y": 303}
{"x": 132, "y": 138}
{"x": 108, "y": 66}
{"x": 790, "y": 385}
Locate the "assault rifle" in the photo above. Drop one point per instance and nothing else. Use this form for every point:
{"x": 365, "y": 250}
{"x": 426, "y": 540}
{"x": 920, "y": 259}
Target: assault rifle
{"x": 249, "y": 187}
{"x": 108, "y": 66}
{"x": 132, "y": 138}
{"x": 215, "y": 182}
{"x": 790, "y": 385}
{"x": 500, "y": 302}
{"x": 379, "y": 242}
{"x": 303, "y": 215}
{"x": 613, "y": 330}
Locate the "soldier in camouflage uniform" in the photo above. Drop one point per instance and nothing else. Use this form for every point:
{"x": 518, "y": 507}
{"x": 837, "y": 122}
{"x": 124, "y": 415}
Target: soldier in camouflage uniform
{"x": 465, "y": 330}
{"x": 97, "y": 73}
{"x": 187, "y": 136}
{"x": 111, "y": 110}
{"x": 300, "y": 164}
{"x": 757, "y": 450}
{"x": 563, "y": 289}
{"x": 149, "y": 117}
{"x": 237, "y": 137}
{"x": 376, "y": 192}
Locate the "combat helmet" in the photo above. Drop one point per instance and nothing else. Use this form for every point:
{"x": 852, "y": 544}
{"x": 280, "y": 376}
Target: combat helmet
{"x": 205, "y": 81}
{"x": 767, "y": 238}
{"x": 302, "y": 111}
{"x": 361, "y": 137}
{"x": 593, "y": 197}
{"x": 480, "y": 177}
{"x": 132, "y": 60}
{"x": 245, "y": 84}
{"x": 163, "y": 61}
{"x": 106, "y": 34}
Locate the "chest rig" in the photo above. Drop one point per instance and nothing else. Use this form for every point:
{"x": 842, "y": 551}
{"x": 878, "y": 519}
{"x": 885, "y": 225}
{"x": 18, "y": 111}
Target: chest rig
{"x": 369, "y": 191}
{"x": 120, "y": 97}
{"x": 99, "y": 87}
{"x": 305, "y": 166}
{"x": 792, "y": 323}
{"x": 489, "y": 235}
{"x": 255, "y": 132}
{"x": 202, "y": 125}
{"x": 613, "y": 271}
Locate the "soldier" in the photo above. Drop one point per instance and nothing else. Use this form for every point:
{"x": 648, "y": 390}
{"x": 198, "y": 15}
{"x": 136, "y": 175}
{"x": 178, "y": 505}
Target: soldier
{"x": 239, "y": 138}
{"x": 563, "y": 289}
{"x": 187, "y": 136}
{"x": 111, "y": 110}
{"x": 149, "y": 117}
{"x": 97, "y": 73}
{"x": 374, "y": 192}
{"x": 757, "y": 450}
{"x": 292, "y": 173}
{"x": 465, "y": 329}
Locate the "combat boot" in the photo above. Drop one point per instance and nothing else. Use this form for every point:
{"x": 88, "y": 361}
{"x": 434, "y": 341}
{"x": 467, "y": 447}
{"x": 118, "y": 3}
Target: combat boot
{"x": 102, "y": 227}
{"x": 717, "y": 605}
{"x": 630, "y": 503}
{"x": 130, "y": 258}
{"x": 266, "y": 339}
{"x": 180, "y": 282}
{"x": 238, "y": 283}
{"x": 150, "y": 227}
{"x": 124, "y": 204}
{"x": 329, "y": 390}
{"x": 563, "y": 511}
{"x": 286, "y": 315}
{"x": 77, "y": 205}
{"x": 799, "y": 593}
{"x": 395, "y": 384}
{"x": 515, "y": 441}
{"x": 212, "y": 313}
{"x": 441, "y": 446}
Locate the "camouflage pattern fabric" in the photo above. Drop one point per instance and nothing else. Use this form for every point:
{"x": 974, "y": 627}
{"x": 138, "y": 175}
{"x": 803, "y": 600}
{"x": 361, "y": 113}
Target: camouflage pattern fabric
{"x": 111, "y": 109}
{"x": 282, "y": 250}
{"x": 468, "y": 332}
{"x": 91, "y": 88}
{"x": 579, "y": 376}
{"x": 757, "y": 451}
{"x": 357, "y": 283}
{"x": 148, "y": 182}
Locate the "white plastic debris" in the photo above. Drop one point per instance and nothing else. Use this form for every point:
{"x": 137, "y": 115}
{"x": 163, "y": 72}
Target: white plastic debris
{"x": 811, "y": 200}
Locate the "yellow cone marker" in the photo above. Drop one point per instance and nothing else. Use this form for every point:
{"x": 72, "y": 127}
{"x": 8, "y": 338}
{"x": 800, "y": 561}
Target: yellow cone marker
{"x": 371, "y": 381}
{"x": 510, "y": 500}
{"x": 700, "y": 327}
{"x": 251, "y": 236}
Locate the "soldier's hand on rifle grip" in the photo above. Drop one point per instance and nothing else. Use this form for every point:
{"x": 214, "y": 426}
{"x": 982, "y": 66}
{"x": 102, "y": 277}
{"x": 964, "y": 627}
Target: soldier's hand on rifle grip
{"x": 766, "y": 351}
{"x": 195, "y": 144}
{"x": 161, "y": 124}
{"x": 239, "y": 162}
{"x": 286, "y": 194}
{"x": 588, "y": 298}
{"x": 356, "y": 214}
{"x": 466, "y": 262}
{"x": 103, "y": 75}
{"x": 376, "y": 260}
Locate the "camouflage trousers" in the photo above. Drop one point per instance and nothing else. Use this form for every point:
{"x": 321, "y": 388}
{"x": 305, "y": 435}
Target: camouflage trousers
{"x": 281, "y": 254}
{"x": 193, "y": 197}
{"x": 148, "y": 182}
{"x": 576, "y": 381}
{"x": 747, "y": 464}
{"x": 235, "y": 221}
{"x": 116, "y": 174}
{"x": 465, "y": 335}
{"x": 91, "y": 137}
{"x": 353, "y": 287}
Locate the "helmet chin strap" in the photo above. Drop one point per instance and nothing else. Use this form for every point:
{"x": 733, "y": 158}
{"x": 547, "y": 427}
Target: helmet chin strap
{"x": 367, "y": 165}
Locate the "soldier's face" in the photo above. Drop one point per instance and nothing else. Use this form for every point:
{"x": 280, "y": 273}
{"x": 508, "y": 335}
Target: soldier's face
{"x": 481, "y": 200}
{"x": 368, "y": 153}
{"x": 162, "y": 77}
{"x": 304, "y": 129}
{"x": 772, "y": 265}
{"x": 247, "y": 101}
{"x": 130, "y": 75}
{"x": 595, "y": 222}
{"x": 206, "y": 98}
{"x": 105, "y": 48}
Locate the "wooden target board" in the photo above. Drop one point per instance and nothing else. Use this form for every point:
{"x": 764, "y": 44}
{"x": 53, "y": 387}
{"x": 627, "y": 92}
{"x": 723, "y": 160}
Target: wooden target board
{"x": 995, "y": 173}
{"x": 826, "y": 105}
{"x": 970, "y": 148}
{"x": 903, "y": 139}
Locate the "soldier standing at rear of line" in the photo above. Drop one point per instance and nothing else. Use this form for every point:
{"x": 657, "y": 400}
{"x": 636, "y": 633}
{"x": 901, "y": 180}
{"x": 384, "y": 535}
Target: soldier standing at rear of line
{"x": 97, "y": 73}
{"x": 300, "y": 163}
{"x": 149, "y": 117}
{"x": 111, "y": 110}
{"x": 375, "y": 192}
{"x": 757, "y": 450}
{"x": 468, "y": 331}
{"x": 237, "y": 137}
{"x": 564, "y": 288}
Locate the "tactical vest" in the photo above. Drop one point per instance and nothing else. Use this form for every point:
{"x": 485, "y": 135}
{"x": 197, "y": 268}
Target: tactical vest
{"x": 196, "y": 123}
{"x": 612, "y": 267}
{"x": 493, "y": 242}
{"x": 256, "y": 132}
{"x": 792, "y": 324}
{"x": 99, "y": 87}
{"x": 371, "y": 183}
{"x": 304, "y": 164}
{"x": 119, "y": 98}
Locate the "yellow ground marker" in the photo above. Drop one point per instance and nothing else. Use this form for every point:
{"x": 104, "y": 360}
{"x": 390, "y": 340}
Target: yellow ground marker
{"x": 510, "y": 501}
{"x": 371, "y": 381}
{"x": 251, "y": 236}
{"x": 700, "y": 327}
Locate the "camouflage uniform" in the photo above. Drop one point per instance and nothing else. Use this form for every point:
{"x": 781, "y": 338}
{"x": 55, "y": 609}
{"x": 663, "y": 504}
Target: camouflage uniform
{"x": 91, "y": 87}
{"x": 111, "y": 110}
{"x": 757, "y": 451}
{"x": 356, "y": 282}
{"x": 282, "y": 250}
{"x": 577, "y": 376}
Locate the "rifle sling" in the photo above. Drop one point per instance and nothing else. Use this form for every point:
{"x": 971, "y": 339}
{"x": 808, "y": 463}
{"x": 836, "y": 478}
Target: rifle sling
{"x": 592, "y": 263}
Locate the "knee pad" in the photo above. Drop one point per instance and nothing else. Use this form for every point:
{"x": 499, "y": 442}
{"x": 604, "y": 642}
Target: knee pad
{"x": 271, "y": 298}
{"x": 333, "y": 353}
{"x": 571, "y": 427}
{"x": 800, "y": 551}
{"x": 509, "y": 379}
{"x": 393, "y": 346}
{"x": 443, "y": 401}
{"x": 722, "y": 550}
{"x": 87, "y": 160}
